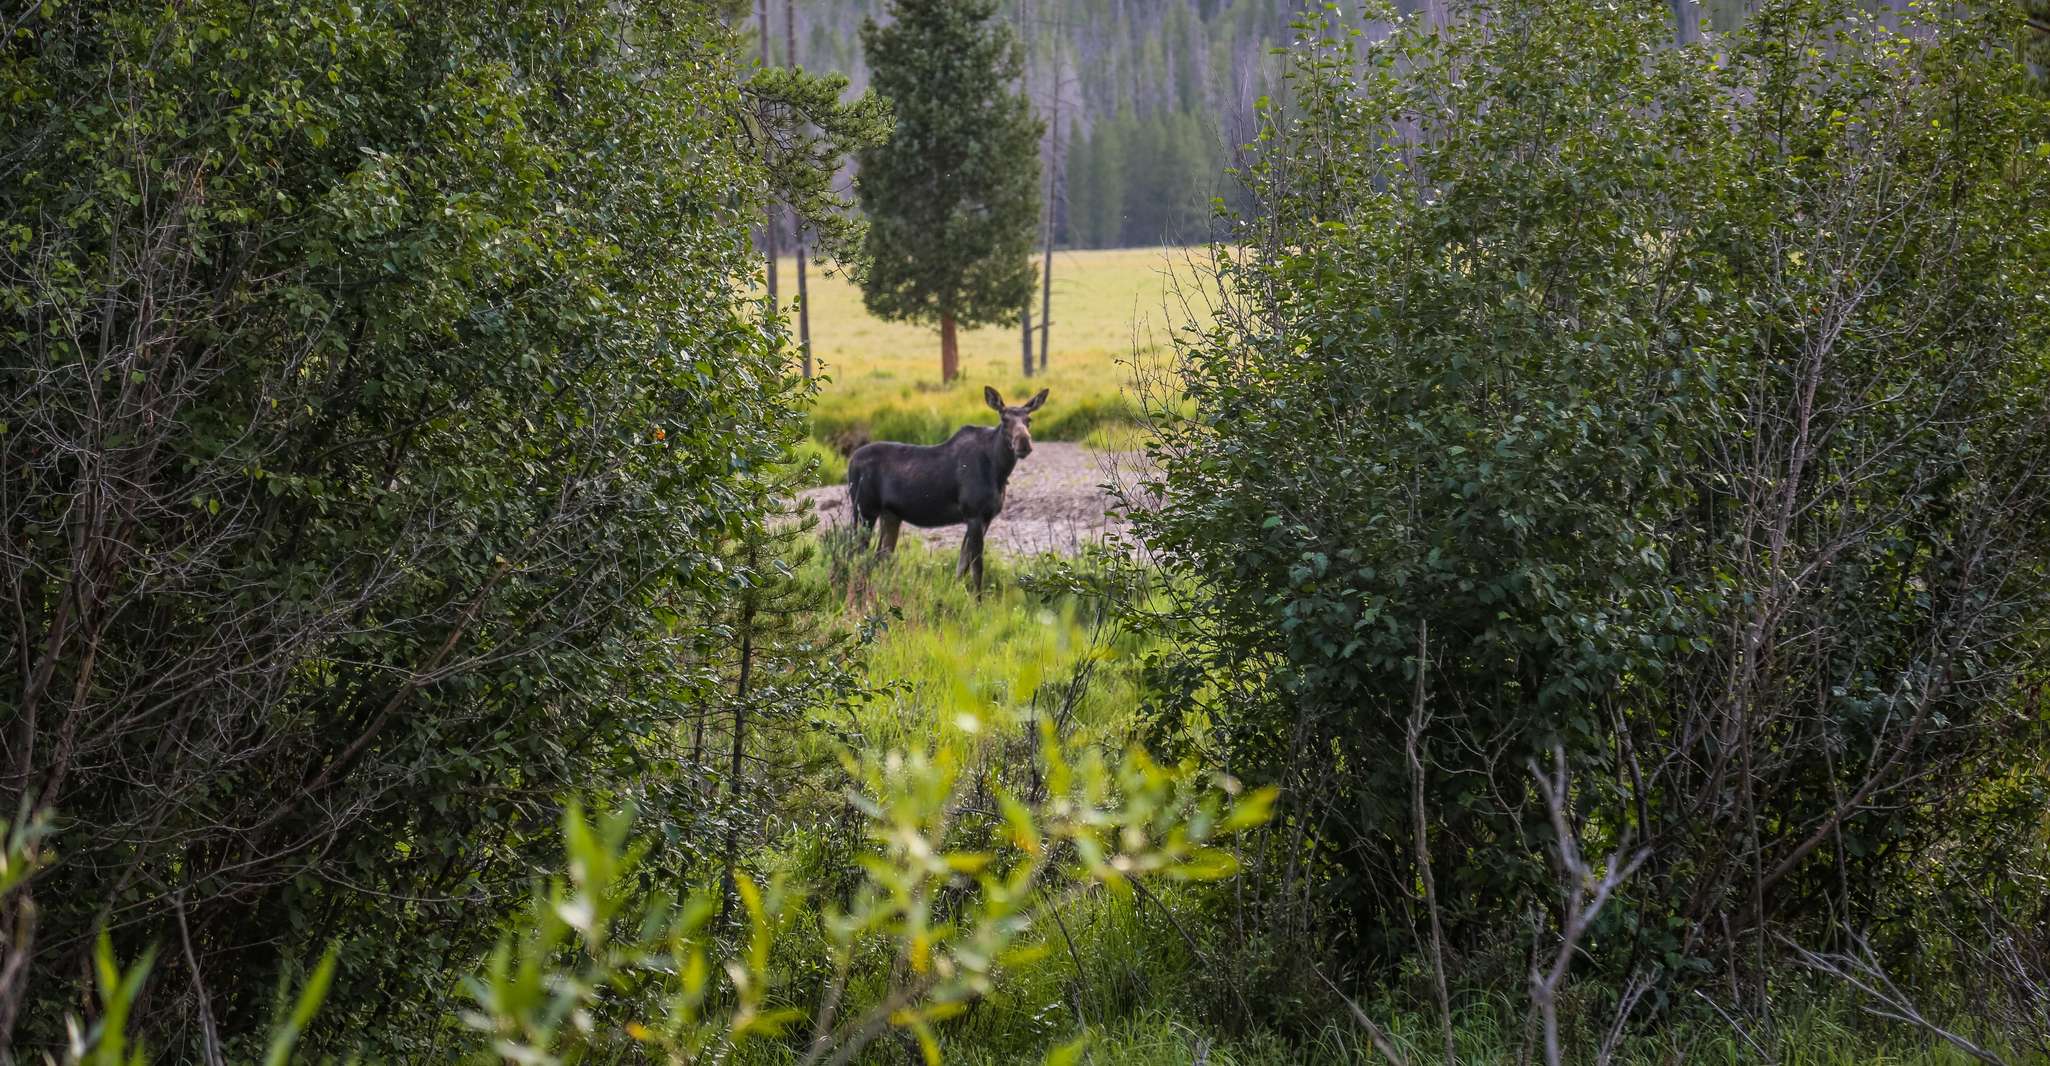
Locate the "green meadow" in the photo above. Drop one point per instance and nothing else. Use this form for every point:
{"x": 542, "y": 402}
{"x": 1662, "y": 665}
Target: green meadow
{"x": 1111, "y": 310}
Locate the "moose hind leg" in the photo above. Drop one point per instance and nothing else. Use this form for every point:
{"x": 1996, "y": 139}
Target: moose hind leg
{"x": 888, "y": 542}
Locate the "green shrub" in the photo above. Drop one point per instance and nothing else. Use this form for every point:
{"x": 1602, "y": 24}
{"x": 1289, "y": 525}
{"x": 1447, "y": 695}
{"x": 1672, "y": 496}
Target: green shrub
{"x": 392, "y": 352}
{"x": 1677, "y": 410}
{"x": 815, "y": 463}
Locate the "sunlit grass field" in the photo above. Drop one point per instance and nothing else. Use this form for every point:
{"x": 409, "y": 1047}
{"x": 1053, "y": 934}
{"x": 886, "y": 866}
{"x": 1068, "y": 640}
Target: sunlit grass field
{"x": 883, "y": 378}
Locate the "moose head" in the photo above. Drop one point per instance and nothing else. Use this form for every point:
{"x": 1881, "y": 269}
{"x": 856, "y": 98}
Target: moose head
{"x": 1014, "y": 425}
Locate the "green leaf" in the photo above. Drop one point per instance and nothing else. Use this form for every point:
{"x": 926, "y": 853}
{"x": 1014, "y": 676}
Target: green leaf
{"x": 1068, "y": 1054}
{"x": 1254, "y": 808}
{"x": 311, "y": 996}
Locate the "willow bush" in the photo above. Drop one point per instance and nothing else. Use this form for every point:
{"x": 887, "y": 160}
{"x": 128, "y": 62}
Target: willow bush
{"x": 375, "y": 416}
{"x": 1676, "y": 410}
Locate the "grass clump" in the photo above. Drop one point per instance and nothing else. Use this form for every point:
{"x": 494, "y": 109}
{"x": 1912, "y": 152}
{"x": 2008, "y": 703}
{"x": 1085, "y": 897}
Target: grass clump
{"x": 944, "y": 654}
{"x": 813, "y": 462}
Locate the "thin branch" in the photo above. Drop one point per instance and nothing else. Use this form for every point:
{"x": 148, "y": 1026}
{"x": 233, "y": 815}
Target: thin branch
{"x": 1375, "y": 1033}
{"x": 1863, "y": 972}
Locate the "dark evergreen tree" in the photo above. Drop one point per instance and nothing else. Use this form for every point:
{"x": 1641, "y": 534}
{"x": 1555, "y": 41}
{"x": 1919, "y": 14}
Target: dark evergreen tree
{"x": 953, "y": 197}
{"x": 1082, "y": 189}
{"x": 1191, "y": 173}
{"x": 1144, "y": 179}
{"x": 1108, "y": 164}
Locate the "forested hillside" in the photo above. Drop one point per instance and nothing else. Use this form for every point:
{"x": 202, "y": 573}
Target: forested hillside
{"x": 1145, "y": 100}
{"x": 1148, "y": 102}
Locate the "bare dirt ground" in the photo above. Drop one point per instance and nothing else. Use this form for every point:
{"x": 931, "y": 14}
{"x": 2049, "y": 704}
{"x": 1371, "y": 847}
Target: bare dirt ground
{"x": 1055, "y": 503}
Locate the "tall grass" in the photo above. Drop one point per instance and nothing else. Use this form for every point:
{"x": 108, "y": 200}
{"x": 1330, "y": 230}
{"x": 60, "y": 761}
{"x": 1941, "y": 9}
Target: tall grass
{"x": 942, "y": 651}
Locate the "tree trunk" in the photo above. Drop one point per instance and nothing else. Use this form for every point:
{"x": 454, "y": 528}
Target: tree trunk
{"x": 803, "y": 305}
{"x": 1686, "y": 21}
{"x": 1025, "y": 338}
{"x": 769, "y": 234}
{"x": 797, "y": 224}
{"x": 1053, "y": 170}
{"x": 733, "y": 767}
{"x": 950, "y": 350}
{"x": 1045, "y": 298}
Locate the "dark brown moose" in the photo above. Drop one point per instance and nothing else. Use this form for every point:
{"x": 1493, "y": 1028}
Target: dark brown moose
{"x": 960, "y": 482}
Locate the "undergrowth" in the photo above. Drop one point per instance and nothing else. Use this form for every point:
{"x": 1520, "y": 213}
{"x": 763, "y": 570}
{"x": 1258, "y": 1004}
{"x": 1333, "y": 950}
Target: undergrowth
{"x": 1140, "y": 971}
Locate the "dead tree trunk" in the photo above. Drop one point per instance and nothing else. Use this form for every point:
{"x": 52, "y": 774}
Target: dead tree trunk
{"x": 770, "y": 237}
{"x": 797, "y": 224}
{"x": 1053, "y": 171}
{"x": 1025, "y": 338}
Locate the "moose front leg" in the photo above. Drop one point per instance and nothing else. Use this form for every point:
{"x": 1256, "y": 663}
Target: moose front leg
{"x": 971, "y": 554}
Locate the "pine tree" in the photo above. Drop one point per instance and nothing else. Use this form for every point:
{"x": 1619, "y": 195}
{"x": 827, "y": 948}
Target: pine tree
{"x": 1187, "y": 168}
{"x": 953, "y": 197}
{"x": 1144, "y": 179}
{"x": 1082, "y": 189}
{"x": 1107, "y": 166}
{"x": 775, "y": 659}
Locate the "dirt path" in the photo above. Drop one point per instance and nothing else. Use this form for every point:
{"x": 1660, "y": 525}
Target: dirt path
{"x": 1055, "y": 503}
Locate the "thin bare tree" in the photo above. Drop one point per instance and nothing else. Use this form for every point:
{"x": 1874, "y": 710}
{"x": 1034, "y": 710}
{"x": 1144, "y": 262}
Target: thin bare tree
{"x": 797, "y": 222}
{"x": 1053, "y": 178}
{"x": 771, "y": 236}
{"x": 1582, "y": 895}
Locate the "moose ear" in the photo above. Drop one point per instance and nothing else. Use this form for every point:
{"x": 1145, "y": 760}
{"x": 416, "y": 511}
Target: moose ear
{"x": 1033, "y": 404}
{"x": 990, "y": 397}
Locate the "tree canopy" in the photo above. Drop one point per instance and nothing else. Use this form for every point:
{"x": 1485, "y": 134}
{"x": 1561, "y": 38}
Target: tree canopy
{"x": 952, "y": 196}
